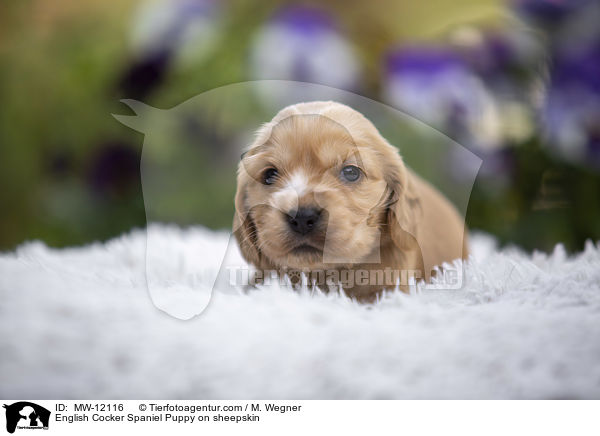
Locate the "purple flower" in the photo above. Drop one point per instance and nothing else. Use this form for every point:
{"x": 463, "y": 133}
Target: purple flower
{"x": 304, "y": 20}
{"x": 303, "y": 44}
{"x": 548, "y": 13}
{"x": 166, "y": 34}
{"x": 500, "y": 56}
{"x": 186, "y": 28}
{"x": 434, "y": 85}
{"x": 144, "y": 75}
{"x": 114, "y": 170}
{"x": 571, "y": 112}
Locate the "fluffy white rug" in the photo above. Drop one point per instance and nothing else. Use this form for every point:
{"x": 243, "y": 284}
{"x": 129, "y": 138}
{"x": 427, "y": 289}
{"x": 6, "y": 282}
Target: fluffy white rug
{"x": 79, "y": 323}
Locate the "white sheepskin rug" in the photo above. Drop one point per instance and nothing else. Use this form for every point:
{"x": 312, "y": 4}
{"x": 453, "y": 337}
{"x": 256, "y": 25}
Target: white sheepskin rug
{"x": 79, "y": 323}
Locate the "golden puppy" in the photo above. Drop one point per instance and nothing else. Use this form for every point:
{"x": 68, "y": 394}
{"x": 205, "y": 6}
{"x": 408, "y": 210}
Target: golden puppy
{"x": 322, "y": 192}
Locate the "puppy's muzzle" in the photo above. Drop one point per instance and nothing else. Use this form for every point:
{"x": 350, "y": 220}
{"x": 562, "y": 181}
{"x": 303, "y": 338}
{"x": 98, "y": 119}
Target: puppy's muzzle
{"x": 304, "y": 220}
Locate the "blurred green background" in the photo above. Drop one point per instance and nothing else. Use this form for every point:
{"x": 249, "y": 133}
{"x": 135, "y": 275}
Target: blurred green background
{"x": 70, "y": 172}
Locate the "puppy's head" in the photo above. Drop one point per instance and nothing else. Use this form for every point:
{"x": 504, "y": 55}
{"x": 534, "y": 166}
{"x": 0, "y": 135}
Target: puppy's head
{"x": 320, "y": 186}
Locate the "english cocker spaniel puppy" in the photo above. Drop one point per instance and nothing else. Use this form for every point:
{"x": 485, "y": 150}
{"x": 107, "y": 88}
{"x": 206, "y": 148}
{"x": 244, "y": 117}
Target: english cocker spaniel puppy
{"x": 322, "y": 193}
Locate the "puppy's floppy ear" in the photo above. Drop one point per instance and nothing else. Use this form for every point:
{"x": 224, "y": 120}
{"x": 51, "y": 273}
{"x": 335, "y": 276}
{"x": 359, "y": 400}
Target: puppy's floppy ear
{"x": 244, "y": 228}
{"x": 403, "y": 207}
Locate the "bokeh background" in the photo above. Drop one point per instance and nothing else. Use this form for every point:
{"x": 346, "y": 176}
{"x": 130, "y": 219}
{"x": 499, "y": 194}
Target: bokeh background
{"x": 517, "y": 83}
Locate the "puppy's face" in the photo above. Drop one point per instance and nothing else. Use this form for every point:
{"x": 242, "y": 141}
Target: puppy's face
{"x": 314, "y": 190}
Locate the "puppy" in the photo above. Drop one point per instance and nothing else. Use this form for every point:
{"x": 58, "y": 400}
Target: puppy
{"x": 320, "y": 191}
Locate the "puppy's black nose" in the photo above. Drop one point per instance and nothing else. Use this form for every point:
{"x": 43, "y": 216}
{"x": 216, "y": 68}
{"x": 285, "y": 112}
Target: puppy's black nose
{"x": 304, "y": 220}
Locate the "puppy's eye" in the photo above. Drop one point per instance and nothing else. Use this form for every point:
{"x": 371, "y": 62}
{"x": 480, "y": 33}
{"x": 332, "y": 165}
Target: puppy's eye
{"x": 350, "y": 173}
{"x": 270, "y": 176}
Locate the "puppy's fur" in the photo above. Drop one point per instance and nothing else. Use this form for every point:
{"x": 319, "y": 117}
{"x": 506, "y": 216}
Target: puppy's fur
{"x": 387, "y": 220}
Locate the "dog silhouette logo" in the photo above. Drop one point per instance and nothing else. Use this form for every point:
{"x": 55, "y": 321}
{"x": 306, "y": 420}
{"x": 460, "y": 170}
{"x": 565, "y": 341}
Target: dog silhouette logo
{"x": 185, "y": 178}
{"x": 26, "y": 415}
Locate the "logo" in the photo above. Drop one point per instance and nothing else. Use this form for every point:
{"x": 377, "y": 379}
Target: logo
{"x": 26, "y": 415}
